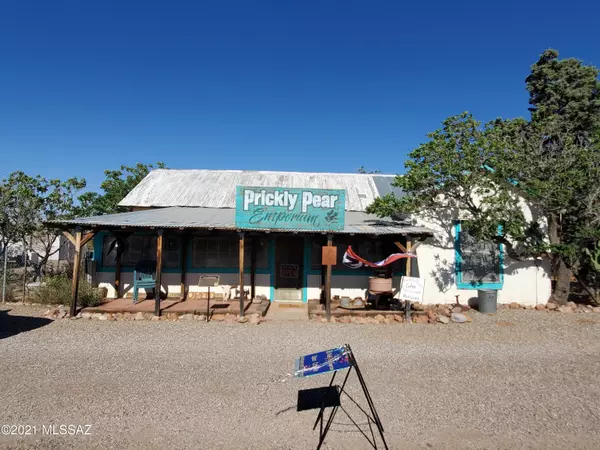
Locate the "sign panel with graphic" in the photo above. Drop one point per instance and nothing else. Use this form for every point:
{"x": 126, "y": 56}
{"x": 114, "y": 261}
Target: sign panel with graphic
{"x": 290, "y": 208}
{"x": 322, "y": 362}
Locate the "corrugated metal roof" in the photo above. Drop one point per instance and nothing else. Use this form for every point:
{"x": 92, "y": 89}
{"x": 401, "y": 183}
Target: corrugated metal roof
{"x": 216, "y": 188}
{"x": 224, "y": 219}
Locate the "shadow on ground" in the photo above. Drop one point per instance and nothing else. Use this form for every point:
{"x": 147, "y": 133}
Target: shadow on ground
{"x": 11, "y": 325}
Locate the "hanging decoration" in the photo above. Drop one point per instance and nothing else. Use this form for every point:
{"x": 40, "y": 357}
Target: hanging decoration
{"x": 353, "y": 261}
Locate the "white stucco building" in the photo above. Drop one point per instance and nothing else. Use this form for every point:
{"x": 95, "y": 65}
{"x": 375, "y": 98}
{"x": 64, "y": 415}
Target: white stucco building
{"x": 200, "y": 215}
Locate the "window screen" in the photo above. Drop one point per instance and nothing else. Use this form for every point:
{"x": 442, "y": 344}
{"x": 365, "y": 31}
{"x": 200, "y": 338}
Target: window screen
{"x": 214, "y": 252}
{"x": 479, "y": 260}
{"x": 141, "y": 248}
{"x": 222, "y": 252}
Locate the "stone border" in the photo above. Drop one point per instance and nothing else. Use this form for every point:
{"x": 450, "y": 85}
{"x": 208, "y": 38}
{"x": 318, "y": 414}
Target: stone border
{"x": 432, "y": 314}
{"x": 62, "y": 313}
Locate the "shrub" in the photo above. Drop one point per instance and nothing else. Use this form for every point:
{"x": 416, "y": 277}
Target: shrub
{"x": 57, "y": 290}
{"x": 12, "y": 281}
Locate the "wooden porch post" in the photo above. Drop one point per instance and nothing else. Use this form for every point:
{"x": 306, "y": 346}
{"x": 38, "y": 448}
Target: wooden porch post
{"x": 76, "y": 264}
{"x": 408, "y": 260}
{"x": 159, "y": 249}
{"x": 119, "y": 258}
{"x": 241, "y": 282}
{"x": 328, "y": 282}
{"x": 183, "y": 265}
{"x": 253, "y": 267}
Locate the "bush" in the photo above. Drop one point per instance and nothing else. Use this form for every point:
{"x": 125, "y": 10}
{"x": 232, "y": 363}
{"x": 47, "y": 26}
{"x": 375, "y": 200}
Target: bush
{"x": 12, "y": 281}
{"x": 57, "y": 290}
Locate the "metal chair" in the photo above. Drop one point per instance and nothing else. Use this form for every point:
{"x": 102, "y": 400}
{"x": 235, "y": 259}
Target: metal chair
{"x": 144, "y": 276}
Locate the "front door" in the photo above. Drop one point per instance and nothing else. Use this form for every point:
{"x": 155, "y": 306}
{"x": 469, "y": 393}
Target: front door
{"x": 289, "y": 268}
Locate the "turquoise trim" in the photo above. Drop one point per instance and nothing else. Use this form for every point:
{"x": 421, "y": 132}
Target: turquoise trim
{"x": 460, "y": 284}
{"x": 98, "y": 238}
{"x": 271, "y": 257}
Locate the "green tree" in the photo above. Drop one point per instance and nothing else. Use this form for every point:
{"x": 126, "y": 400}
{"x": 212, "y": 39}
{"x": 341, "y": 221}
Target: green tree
{"x": 553, "y": 161}
{"x": 117, "y": 184}
{"x": 29, "y": 201}
{"x": 363, "y": 170}
{"x": 565, "y": 92}
{"x": 565, "y": 119}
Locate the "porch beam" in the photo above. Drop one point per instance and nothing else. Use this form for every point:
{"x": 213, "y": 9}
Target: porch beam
{"x": 241, "y": 273}
{"x": 183, "y": 265}
{"x": 401, "y": 247}
{"x": 159, "y": 253}
{"x": 328, "y": 282}
{"x": 76, "y": 264}
{"x": 88, "y": 236}
{"x": 69, "y": 236}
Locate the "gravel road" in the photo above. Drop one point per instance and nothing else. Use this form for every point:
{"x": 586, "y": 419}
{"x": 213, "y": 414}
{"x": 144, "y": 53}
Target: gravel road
{"x": 519, "y": 379}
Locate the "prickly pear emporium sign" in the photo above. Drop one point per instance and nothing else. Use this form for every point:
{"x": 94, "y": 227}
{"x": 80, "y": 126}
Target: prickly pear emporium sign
{"x": 290, "y": 208}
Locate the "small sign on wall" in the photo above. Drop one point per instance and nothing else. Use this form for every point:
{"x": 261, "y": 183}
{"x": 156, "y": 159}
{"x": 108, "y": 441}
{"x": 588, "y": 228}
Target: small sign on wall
{"x": 411, "y": 289}
{"x": 329, "y": 256}
{"x": 208, "y": 280}
{"x": 289, "y": 271}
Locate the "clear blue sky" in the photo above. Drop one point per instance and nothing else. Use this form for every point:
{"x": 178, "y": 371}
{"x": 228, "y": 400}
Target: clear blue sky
{"x": 280, "y": 85}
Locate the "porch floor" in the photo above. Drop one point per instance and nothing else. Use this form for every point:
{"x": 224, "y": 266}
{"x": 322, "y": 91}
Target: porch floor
{"x": 190, "y": 306}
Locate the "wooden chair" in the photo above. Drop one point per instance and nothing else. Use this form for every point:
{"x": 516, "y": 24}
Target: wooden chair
{"x": 144, "y": 276}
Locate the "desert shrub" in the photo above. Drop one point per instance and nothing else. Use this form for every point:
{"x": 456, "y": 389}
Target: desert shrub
{"x": 12, "y": 281}
{"x": 57, "y": 290}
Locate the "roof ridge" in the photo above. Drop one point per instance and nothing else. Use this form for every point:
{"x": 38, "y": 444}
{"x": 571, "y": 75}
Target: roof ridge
{"x": 274, "y": 171}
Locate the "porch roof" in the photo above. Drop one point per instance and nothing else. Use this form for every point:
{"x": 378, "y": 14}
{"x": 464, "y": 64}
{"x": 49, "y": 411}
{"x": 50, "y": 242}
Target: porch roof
{"x": 224, "y": 219}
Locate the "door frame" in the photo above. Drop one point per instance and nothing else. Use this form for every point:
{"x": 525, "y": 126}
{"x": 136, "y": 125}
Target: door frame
{"x": 305, "y": 266}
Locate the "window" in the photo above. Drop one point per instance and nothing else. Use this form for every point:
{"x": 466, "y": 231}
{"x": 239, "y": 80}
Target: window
{"x": 141, "y": 248}
{"x": 171, "y": 251}
{"x": 223, "y": 252}
{"x": 262, "y": 252}
{"x": 214, "y": 252}
{"x": 109, "y": 252}
{"x": 478, "y": 263}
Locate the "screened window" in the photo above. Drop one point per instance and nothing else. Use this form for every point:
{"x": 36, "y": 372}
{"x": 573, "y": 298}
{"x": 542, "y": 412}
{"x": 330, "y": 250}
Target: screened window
{"x": 262, "y": 252}
{"x": 109, "y": 252}
{"x": 171, "y": 251}
{"x": 215, "y": 252}
{"x": 223, "y": 252}
{"x": 141, "y": 248}
{"x": 478, "y": 262}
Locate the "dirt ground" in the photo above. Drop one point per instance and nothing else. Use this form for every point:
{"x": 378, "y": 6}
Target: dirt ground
{"x": 518, "y": 379}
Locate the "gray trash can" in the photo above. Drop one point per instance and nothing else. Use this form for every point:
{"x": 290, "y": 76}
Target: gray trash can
{"x": 487, "y": 300}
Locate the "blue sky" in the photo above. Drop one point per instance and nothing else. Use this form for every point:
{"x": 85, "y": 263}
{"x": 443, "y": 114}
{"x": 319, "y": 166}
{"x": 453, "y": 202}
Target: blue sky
{"x": 279, "y": 85}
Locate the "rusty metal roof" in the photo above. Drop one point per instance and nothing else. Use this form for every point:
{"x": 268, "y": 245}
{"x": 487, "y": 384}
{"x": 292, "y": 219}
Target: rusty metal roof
{"x": 224, "y": 219}
{"x": 216, "y": 188}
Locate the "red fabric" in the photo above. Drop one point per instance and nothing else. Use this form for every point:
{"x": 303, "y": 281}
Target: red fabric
{"x": 390, "y": 259}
